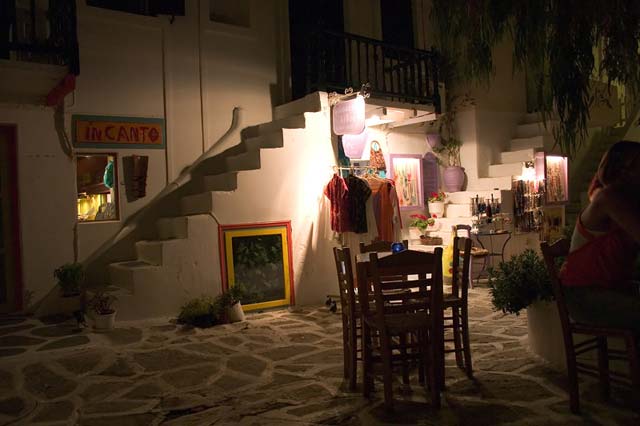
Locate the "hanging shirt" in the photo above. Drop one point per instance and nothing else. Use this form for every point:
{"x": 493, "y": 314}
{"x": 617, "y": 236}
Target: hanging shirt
{"x": 357, "y": 196}
{"x": 336, "y": 191}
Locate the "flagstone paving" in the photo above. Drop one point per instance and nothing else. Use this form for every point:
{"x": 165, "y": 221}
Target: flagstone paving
{"x": 277, "y": 368}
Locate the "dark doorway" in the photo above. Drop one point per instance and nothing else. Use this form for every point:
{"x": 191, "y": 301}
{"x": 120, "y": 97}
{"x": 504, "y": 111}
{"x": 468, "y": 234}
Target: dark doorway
{"x": 305, "y": 18}
{"x": 10, "y": 261}
{"x": 397, "y": 22}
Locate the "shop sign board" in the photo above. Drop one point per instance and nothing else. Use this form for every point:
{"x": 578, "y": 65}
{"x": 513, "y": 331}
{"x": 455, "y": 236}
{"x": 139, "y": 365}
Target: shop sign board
{"x": 94, "y": 131}
{"x": 349, "y": 117}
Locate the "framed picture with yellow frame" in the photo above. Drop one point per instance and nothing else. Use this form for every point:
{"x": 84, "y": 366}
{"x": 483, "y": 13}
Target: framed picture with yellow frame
{"x": 258, "y": 257}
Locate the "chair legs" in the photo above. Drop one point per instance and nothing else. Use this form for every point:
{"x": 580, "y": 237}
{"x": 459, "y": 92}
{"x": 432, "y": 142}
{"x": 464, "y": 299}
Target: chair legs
{"x": 572, "y": 372}
{"x": 461, "y": 342}
{"x": 466, "y": 343}
{"x": 603, "y": 367}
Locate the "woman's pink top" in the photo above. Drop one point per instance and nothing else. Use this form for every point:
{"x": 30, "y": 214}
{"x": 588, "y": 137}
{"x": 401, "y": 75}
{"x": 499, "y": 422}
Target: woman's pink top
{"x": 606, "y": 260}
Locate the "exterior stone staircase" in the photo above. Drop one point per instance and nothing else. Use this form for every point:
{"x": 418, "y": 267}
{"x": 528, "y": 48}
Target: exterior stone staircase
{"x": 174, "y": 264}
{"x": 531, "y": 136}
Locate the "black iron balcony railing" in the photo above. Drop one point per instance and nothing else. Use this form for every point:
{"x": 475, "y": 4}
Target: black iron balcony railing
{"x": 40, "y": 31}
{"x": 339, "y": 60}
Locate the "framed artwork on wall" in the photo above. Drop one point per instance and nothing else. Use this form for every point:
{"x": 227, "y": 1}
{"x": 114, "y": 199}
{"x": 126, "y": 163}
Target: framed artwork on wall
{"x": 258, "y": 257}
{"x": 406, "y": 172}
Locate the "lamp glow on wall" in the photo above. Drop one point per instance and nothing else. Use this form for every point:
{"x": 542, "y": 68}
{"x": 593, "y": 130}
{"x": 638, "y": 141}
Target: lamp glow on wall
{"x": 349, "y": 116}
{"x": 353, "y": 145}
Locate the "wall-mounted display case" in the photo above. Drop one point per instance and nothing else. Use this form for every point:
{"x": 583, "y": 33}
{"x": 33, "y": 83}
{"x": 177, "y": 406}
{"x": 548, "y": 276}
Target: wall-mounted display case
{"x": 544, "y": 182}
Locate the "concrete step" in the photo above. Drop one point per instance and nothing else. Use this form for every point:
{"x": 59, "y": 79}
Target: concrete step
{"x": 222, "y": 182}
{"x": 489, "y": 183}
{"x": 247, "y": 161}
{"x": 537, "y": 128}
{"x": 518, "y": 144}
{"x": 310, "y": 103}
{"x": 125, "y": 274}
{"x": 297, "y": 121}
{"x": 197, "y": 204}
{"x": 457, "y": 210}
{"x": 516, "y": 156}
{"x": 507, "y": 169}
{"x": 173, "y": 227}
{"x": 464, "y": 197}
{"x": 154, "y": 252}
{"x": 270, "y": 140}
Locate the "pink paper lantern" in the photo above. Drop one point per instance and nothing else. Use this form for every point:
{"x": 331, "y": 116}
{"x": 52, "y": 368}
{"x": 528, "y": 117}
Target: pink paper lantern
{"x": 353, "y": 145}
{"x": 348, "y": 117}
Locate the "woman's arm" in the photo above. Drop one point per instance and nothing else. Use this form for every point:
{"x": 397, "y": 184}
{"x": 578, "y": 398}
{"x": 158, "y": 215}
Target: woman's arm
{"x": 617, "y": 204}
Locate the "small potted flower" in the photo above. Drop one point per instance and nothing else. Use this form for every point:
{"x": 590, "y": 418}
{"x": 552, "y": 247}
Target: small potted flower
{"x": 435, "y": 202}
{"x": 104, "y": 314}
{"x": 425, "y": 224}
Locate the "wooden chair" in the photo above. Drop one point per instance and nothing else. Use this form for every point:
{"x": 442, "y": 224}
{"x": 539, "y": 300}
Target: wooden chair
{"x": 457, "y": 301}
{"x": 477, "y": 253}
{"x": 400, "y": 312}
{"x": 350, "y": 312}
{"x": 380, "y": 246}
{"x": 598, "y": 341}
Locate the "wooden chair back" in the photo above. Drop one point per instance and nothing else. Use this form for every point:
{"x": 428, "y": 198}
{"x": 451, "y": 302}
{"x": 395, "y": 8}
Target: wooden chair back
{"x": 410, "y": 294}
{"x": 550, "y": 253}
{"x": 466, "y": 230}
{"x": 461, "y": 265}
{"x": 380, "y": 246}
{"x": 342, "y": 257}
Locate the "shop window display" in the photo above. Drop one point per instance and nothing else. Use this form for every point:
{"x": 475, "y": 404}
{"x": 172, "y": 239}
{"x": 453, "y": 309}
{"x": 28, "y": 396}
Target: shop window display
{"x": 96, "y": 176}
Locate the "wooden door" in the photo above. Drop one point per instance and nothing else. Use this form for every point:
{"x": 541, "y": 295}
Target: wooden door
{"x": 10, "y": 269}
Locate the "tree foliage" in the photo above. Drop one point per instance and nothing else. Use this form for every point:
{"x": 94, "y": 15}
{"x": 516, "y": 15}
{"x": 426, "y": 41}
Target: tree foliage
{"x": 554, "y": 41}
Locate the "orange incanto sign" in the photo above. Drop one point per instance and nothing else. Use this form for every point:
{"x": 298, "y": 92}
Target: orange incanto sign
{"x": 118, "y": 132}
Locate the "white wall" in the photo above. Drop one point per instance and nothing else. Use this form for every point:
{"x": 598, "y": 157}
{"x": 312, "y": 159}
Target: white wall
{"x": 46, "y": 190}
{"x": 133, "y": 65}
{"x": 289, "y": 186}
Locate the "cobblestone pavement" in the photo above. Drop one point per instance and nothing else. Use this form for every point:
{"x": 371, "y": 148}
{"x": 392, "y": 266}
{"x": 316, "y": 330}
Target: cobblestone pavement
{"x": 276, "y": 368}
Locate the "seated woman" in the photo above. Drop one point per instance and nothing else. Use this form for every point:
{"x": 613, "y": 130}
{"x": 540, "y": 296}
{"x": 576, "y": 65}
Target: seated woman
{"x": 597, "y": 274}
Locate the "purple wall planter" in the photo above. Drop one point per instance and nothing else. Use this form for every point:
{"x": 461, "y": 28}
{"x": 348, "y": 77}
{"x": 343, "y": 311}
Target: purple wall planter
{"x": 453, "y": 178}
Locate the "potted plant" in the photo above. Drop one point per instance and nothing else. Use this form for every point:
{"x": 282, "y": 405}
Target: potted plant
{"x": 234, "y": 306}
{"x": 523, "y": 282}
{"x": 70, "y": 277}
{"x": 449, "y": 144}
{"x": 424, "y": 224}
{"x": 435, "y": 203}
{"x": 104, "y": 314}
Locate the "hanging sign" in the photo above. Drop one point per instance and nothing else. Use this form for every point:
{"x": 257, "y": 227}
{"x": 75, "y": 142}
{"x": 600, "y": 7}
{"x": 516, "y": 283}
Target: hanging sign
{"x": 93, "y": 131}
{"x": 353, "y": 145}
{"x": 349, "y": 116}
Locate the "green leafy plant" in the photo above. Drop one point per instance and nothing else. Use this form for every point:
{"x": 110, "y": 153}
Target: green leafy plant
{"x": 207, "y": 311}
{"x": 519, "y": 282}
{"x": 436, "y": 196}
{"x": 236, "y": 293}
{"x": 445, "y": 124}
{"x": 102, "y": 303}
{"x": 203, "y": 311}
{"x": 70, "y": 277}
{"x": 421, "y": 222}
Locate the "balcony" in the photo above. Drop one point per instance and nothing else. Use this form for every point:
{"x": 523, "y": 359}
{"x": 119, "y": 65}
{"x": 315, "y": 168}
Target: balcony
{"x": 336, "y": 61}
{"x": 38, "y": 47}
